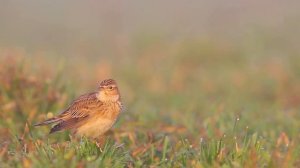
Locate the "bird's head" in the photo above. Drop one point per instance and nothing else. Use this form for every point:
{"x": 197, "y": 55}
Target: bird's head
{"x": 108, "y": 91}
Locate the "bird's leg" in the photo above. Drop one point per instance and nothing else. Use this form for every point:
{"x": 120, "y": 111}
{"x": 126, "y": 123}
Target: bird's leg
{"x": 100, "y": 142}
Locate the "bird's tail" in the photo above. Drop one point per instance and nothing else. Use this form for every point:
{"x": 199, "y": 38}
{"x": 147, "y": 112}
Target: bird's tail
{"x": 49, "y": 121}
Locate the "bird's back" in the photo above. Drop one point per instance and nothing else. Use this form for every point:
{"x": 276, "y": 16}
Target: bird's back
{"x": 78, "y": 112}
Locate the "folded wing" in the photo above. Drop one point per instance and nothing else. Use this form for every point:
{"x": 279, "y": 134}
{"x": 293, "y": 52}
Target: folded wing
{"x": 76, "y": 114}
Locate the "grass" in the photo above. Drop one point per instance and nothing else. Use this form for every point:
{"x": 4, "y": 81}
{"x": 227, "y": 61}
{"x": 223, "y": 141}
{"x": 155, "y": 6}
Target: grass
{"x": 189, "y": 104}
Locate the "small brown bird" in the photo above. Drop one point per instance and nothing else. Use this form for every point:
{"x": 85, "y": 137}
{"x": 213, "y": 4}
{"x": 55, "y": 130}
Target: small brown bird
{"x": 91, "y": 114}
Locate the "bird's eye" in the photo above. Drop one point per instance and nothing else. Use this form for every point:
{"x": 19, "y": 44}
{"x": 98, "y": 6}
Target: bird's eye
{"x": 110, "y": 87}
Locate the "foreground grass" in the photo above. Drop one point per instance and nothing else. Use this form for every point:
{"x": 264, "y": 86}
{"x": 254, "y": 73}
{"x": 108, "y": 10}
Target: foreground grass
{"x": 226, "y": 116}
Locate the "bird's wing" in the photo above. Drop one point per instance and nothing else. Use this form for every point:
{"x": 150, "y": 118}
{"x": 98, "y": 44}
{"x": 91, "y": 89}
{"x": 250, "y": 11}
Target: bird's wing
{"x": 81, "y": 107}
{"x": 77, "y": 112}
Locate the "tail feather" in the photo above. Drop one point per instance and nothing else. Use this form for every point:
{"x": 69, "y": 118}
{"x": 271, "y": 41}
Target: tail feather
{"x": 57, "y": 127}
{"x": 65, "y": 125}
{"x": 46, "y": 122}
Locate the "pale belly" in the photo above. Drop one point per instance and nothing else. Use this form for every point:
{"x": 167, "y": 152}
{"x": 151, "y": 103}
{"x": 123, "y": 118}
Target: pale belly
{"x": 100, "y": 123}
{"x": 95, "y": 128}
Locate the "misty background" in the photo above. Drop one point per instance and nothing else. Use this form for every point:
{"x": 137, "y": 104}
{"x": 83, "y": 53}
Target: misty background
{"x": 114, "y": 28}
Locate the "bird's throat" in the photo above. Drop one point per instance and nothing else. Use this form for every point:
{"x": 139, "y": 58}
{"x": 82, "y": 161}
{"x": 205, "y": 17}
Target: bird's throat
{"x": 102, "y": 96}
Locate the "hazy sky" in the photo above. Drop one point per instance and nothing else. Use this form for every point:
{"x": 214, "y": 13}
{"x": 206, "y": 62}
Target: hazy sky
{"x": 65, "y": 24}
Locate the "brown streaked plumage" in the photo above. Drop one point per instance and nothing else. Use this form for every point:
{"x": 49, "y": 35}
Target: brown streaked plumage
{"x": 91, "y": 114}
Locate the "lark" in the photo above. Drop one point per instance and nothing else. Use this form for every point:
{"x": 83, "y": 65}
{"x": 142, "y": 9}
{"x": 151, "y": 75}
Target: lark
{"x": 92, "y": 114}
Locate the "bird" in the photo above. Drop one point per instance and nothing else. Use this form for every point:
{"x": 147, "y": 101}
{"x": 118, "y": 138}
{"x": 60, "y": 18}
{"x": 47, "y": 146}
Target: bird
{"x": 92, "y": 114}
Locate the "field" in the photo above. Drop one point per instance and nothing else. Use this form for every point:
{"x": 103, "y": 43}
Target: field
{"x": 195, "y": 103}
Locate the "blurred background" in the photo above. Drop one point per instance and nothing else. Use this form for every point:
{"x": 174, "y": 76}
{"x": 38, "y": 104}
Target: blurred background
{"x": 118, "y": 28}
{"x": 195, "y": 64}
